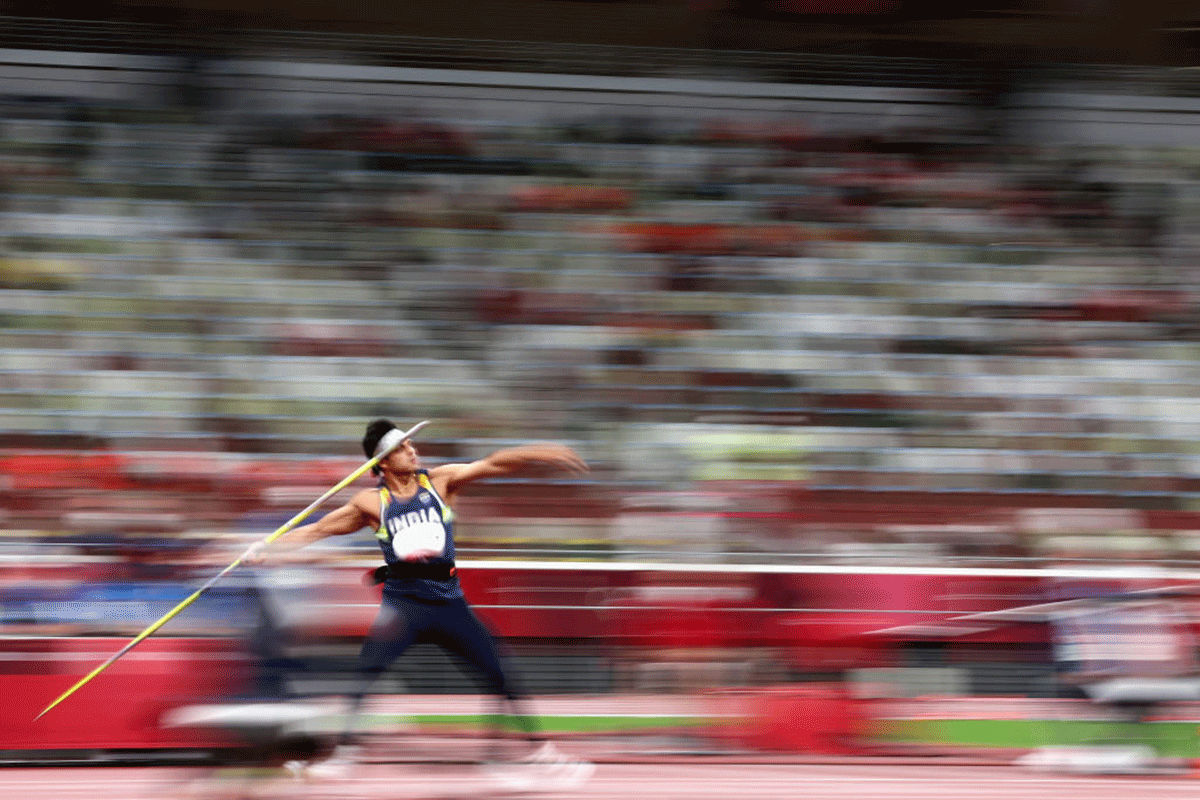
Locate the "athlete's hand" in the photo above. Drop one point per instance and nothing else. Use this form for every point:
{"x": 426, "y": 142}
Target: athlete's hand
{"x": 561, "y": 457}
{"x": 255, "y": 555}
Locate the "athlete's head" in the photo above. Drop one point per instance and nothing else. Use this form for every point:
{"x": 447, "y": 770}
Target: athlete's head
{"x": 376, "y": 430}
{"x": 382, "y": 437}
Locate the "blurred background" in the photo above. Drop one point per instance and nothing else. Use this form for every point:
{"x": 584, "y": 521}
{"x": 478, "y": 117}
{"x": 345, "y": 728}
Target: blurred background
{"x": 869, "y": 315}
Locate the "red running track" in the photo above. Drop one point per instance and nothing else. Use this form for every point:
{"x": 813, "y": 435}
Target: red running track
{"x": 661, "y": 781}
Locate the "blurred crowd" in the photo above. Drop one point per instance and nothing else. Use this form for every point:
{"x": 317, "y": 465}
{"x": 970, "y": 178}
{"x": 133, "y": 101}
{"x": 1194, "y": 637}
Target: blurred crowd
{"x": 203, "y": 309}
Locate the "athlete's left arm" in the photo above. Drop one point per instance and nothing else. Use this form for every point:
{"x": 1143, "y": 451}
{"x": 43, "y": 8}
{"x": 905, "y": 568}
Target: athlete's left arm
{"x": 449, "y": 478}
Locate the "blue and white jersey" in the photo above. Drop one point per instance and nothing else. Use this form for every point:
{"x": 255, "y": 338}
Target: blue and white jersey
{"x": 423, "y": 526}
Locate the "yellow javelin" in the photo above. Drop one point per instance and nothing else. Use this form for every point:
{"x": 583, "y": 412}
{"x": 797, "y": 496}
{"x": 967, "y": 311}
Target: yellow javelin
{"x": 387, "y": 445}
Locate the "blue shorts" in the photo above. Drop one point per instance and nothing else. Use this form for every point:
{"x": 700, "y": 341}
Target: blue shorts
{"x": 404, "y": 620}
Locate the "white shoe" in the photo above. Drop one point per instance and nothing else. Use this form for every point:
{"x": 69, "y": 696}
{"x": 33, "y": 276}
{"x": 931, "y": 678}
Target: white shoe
{"x": 337, "y": 765}
{"x": 547, "y": 769}
{"x": 560, "y": 769}
{"x": 514, "y": 777}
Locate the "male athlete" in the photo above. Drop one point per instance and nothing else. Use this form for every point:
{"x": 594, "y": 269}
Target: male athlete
{"x": 410, "y": 512}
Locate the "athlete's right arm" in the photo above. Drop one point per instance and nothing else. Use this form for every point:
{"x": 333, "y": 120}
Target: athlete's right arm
{"x": 360, "y": 512}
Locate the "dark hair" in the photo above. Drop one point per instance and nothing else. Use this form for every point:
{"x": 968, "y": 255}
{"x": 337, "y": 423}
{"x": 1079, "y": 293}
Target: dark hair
{"x": 376, "y": 430}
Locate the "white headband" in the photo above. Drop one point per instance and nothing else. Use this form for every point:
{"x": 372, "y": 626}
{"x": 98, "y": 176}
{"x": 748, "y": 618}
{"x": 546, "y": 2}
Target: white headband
{"x": 395, "y": 437}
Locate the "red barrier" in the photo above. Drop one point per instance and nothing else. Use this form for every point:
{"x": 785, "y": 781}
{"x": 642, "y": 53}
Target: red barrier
{"x": 121, "y": 708}
{"x": 805, "y": 718}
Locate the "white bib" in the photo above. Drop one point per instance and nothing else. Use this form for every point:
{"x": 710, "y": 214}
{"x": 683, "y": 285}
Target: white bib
{"x": 419, "y": 540}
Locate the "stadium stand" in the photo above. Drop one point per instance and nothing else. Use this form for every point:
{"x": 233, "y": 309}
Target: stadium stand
{"x": 907, "y": 312}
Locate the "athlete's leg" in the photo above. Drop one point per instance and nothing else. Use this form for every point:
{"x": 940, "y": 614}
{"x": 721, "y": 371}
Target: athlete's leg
{"x": 396, "y": 627}
{"x": 462, "y": 633}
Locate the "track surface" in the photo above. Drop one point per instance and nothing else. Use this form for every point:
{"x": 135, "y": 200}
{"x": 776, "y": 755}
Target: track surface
{"x": 662, "y": 781}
